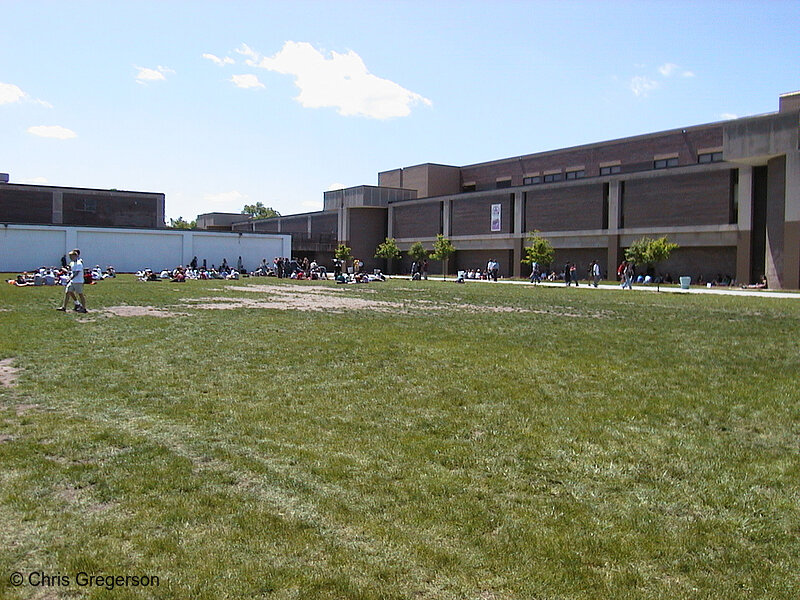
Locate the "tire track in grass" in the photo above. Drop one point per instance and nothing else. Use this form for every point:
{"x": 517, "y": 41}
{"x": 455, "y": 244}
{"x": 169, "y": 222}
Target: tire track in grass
{"x": 375, "y": 552}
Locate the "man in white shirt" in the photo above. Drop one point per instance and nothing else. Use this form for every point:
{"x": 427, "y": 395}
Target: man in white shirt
{"x": 74, "y": 288}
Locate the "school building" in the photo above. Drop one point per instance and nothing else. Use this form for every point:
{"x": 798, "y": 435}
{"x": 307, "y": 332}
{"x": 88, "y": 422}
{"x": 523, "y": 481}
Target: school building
{"x": 728, "y": 193}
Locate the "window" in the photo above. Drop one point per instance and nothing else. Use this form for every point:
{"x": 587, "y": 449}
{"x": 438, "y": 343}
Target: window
{"x": 469, "y": 187}
{"x": 531, "y": 180}
{"x": 610, "y": 170}
{"x": 664, "y": 163}
{"x": 86, "y": 205}
{"x": 553, "y": 177}
{"x": 709, "y": 157}
{"x": 503, "y": 183}
{"x": 576, "y": 174}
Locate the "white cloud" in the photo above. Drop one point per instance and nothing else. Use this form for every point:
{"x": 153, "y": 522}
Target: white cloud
{"x": 219, "y": 61}
{"x": 158, "y": 74}
{"x": 728, "y": 116}
{"x": 667, "y": 69}
{"x": 225, "y": 197}
{"x": 341, "y": 81}
{"x": 642, "y": 86}
{"x": 670, "y": 69}
{"x": 335, "y": 186}
{"x": 34, "y": 181}
{"x": 10, "y": 93}
{"x": 254, "y": 56}
{"x": 246, "y": 81}
{"x": 52, "y": 131}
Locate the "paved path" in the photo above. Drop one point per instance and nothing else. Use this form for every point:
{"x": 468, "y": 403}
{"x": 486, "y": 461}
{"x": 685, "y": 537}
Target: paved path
{"x": 720, "y": 291}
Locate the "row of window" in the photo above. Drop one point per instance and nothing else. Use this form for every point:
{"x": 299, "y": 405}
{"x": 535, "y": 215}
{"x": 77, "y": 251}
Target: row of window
{"x": 661, "y": 163}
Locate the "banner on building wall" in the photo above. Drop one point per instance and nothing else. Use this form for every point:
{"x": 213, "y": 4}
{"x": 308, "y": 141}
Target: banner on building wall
{"x": 497, "y": 210}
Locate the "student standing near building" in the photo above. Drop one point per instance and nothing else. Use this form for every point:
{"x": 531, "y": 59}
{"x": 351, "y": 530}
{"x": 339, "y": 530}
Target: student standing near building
{"x": 74, "y": 288}
{"x": 596, "y": 275}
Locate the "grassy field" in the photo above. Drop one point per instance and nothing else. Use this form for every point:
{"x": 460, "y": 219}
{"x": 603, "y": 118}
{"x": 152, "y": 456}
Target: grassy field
{"x": 267, "y": 439}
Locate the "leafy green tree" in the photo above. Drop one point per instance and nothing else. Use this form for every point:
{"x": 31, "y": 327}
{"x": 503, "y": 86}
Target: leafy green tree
{"x": 343, "y": 253}
{"x": 417, "y": 251}
{"x": 388, "y": 250}
{"x": 649, "y": 252}
{"x": 180, "y": 223}
{"x": 259, "y": 211}
{"x": 443, "y": 249}
{"x": 539, "y": 250}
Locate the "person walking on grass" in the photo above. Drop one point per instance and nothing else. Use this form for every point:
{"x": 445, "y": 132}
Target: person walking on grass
{"x": 596, "y": 274}
{"x": 627, "y": 275}
{"x": 74, "y": 289}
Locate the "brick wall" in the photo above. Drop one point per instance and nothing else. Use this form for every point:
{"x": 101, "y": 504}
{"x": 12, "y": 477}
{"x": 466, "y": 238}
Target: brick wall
{"x": 473, "y": 216}
{"x": 564, "y": 208}
{"x": 416, "y": 220}
{"x": 678, "y": 200}
{"x": 17, "y": 206}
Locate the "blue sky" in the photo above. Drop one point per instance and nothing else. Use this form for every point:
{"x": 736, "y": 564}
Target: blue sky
{"x": 221, "y": 104}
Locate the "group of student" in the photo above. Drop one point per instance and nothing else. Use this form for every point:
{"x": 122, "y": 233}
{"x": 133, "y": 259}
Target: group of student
{"x": 59, "y": 276}
{"x": 283, "y": 267}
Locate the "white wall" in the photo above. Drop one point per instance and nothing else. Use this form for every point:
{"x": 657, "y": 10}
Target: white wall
{"x": 27, "y": 247}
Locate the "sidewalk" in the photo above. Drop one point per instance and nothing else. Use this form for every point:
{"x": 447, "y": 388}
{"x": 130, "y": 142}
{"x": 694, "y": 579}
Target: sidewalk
{"x": 668, "y": 288}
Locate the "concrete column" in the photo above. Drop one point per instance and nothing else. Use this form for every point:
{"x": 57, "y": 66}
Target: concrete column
{"x": 744, "y": 241}
{"x": 519, "y": 241}
{"x": 390, "y": 222}
{"x": 614, "y": 254}
{"x": 519, "y": 212}
{"x": 776, "y": 221}
{"x": 446, "y": 210}
{"x": 791, "y": 233}
{"x": 160, "y": 216}
{"x": 344, "y": 225}
{"x": 58, "y": 208}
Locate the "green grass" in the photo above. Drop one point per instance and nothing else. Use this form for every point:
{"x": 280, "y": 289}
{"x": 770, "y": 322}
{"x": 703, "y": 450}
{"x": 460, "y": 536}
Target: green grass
{"x": 479, "y": 441}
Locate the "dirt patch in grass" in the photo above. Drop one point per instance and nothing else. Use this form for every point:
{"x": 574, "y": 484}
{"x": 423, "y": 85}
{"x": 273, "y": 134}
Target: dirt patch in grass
{"x": 8, "y": 373}
{"x": 140, "y": 311}
{"x": 303, "y": 298}
{"x": 23, "y": 409}
{"x": 331, "y": 299}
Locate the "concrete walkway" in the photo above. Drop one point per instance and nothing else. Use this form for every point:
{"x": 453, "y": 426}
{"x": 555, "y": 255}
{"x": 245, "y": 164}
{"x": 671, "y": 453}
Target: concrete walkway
{"x": 672, "y": 289}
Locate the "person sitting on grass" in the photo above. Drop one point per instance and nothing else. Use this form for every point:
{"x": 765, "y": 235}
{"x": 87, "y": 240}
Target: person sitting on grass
{"x": 22, "y": 280}
{"x": 178, "y": 275}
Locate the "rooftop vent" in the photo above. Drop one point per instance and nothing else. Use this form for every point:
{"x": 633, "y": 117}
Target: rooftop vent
{"x": 3, "y": 177}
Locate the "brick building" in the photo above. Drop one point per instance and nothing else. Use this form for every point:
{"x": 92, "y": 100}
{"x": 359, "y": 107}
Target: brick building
{"x": 48, "y": 205}
{"x": 728, "y": 193}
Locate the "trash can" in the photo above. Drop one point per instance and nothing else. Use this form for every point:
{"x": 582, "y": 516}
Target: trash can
{"x": 685, "y": 281}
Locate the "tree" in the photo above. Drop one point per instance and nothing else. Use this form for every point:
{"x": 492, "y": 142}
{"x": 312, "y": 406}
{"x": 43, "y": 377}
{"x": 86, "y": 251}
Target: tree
{"x": 259, "y": 211}
{"x": 179, "y": 223}
{"x": 443, "y": 249}
{"x": 388, "y": 250}
{"x": 649, "y": 252}
{"x": 417, "y": 251}
{"x": 539, "y": 250}
{"x": 342, "y": 252}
